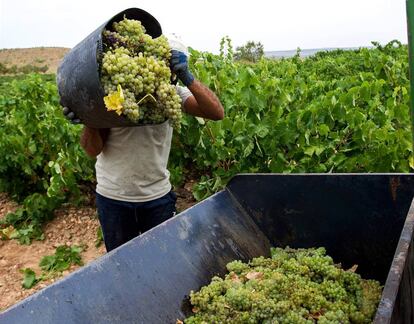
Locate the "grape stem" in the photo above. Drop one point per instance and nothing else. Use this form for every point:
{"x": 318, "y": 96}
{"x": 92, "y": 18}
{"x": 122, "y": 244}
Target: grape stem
{"x": 147, "y": 95}
{"x": 210, "y": 133}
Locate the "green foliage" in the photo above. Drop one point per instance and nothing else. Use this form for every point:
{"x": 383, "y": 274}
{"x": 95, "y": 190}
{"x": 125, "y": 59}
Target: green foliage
{"x": 25, "y": 69}
{"x": 6, "y": 79}
{"x": 29, "y": 278}
{"x": 341, "y": 111}
{"x": 64, "y": 257}
{"x": 251, "y": 52}
{"x": 99, "y": 237}
{"x": 53, "y": 265}
{"x": 3, "y": 68}
{"x": 41, "y": 163}
{"x": 293, "y": 286}
{"x": 39, "y": 60}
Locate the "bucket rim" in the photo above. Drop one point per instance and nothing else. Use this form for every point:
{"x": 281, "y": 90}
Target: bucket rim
{"x": 150, "y": 23}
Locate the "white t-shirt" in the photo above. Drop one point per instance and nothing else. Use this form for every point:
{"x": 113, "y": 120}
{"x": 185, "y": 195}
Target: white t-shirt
{"x": 133, "y": 163}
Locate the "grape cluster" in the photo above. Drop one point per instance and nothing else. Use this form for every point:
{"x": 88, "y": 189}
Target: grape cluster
{"x": 293, "y": 286}
{"x": 135, "y": 75}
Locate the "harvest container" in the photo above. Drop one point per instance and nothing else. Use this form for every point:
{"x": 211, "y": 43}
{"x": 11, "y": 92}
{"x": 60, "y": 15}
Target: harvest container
{"x": 364, "y": 219}
{"x": 78, "y": 79}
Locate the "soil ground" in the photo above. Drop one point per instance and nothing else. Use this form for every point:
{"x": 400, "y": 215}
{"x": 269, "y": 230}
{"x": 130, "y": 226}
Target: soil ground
{"x": 71, "y": 226}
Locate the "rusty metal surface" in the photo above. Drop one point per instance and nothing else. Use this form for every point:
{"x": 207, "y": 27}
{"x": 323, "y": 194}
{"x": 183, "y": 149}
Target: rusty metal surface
{"x": 397, "y": 302}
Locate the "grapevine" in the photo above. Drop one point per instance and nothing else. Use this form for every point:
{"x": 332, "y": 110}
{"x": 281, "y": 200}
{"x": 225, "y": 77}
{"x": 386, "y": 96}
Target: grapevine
{"x": 293, "y": 286}
{"x": 135, "y": 75}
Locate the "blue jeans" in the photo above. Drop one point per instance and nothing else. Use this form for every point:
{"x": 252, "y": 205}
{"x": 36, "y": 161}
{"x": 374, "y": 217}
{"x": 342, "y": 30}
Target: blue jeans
{"x": 121, "y": 221}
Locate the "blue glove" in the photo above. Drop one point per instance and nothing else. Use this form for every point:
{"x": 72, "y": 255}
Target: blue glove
{"x": 179, "y": 66}
{"x": 70, "y": 115}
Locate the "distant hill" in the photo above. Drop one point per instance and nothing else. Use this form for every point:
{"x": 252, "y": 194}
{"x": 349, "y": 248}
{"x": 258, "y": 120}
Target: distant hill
{"x": 303, "y": 52}
{"x": 36, "y": 56}
{"x": 51, "y": 56}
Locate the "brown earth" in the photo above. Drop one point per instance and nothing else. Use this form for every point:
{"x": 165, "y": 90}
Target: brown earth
{"x": 36, "y": 56}
{"x": 71, "y": 226}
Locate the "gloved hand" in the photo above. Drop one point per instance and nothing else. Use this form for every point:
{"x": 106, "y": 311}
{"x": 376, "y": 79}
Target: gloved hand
{"x": 179, "y": 66}
{"x": 70, "y": 115}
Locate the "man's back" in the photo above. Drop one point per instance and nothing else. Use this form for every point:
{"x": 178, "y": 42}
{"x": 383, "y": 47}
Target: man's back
{"x": 133, "y": 164}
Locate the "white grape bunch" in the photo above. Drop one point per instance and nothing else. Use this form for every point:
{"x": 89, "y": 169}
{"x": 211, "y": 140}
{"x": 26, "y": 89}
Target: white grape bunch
{"x": 293, "y": 286}
{"x": 136, "y": 77}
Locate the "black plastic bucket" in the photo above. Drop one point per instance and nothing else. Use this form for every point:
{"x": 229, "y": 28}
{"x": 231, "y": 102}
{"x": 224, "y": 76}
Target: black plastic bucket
{"x": 78, "y": 76}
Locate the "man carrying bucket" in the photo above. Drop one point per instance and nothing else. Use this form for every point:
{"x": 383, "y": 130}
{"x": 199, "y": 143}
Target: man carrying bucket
{"x": 133, "y": 192}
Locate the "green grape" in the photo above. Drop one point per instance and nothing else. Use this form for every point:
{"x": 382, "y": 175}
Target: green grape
{"x": 131, "y": 108}
{"x": 293, "y": 286}
{"x": 139, "y": 64}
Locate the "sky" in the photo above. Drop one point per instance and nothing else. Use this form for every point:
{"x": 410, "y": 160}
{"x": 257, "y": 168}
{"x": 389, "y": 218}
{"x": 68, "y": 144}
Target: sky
{"x": 277, "y": 24}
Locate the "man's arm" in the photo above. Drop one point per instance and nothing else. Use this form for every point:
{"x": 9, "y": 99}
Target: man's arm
{"x": 93, "y": 140}
{"x": 204, "y": 103}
